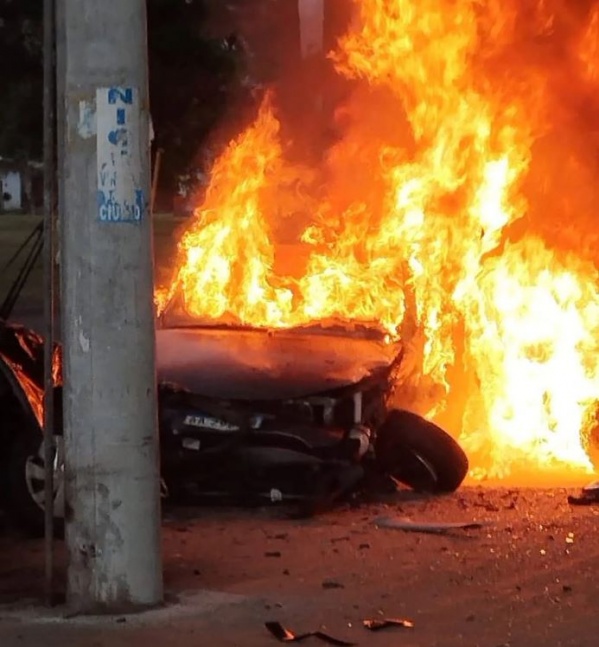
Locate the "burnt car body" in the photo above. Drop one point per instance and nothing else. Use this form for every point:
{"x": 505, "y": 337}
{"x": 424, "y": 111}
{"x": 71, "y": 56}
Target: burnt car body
{"x": 298, "y": 416}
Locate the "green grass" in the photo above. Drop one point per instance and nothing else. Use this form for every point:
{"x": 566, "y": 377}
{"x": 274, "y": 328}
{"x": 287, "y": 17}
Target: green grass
{"x": 14, "y": 230}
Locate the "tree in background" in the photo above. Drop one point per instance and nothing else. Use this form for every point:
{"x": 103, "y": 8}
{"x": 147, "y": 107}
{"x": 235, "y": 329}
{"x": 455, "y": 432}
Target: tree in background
{"x": 21, "y": 79}
{"x": 192, "y": 80}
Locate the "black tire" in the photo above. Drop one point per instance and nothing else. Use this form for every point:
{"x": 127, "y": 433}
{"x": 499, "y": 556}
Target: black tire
{"x": 419, "y": 454}
{"x": 29, "y": 516}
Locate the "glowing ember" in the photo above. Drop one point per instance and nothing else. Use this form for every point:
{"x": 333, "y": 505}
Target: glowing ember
{"x": 452, "y": 207}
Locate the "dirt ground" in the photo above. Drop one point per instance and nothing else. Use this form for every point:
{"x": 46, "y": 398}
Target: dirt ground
{"x": 527, "y": 578}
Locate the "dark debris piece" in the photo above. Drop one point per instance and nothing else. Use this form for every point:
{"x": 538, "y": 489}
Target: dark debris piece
{"x": 286, "y": 636}
{"x": 588, "y": 496}
{"x": 408, "y": 525}
{"x": 582, "y": 500}
{"x": 384, "y": 623}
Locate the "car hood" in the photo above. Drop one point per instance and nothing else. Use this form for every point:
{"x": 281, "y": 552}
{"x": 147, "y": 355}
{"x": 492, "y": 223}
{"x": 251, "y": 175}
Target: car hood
{"x": 260, "y": 365}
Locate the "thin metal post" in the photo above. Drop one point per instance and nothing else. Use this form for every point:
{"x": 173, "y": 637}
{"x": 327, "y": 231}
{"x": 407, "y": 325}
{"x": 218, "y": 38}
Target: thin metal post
{"x": 110, "y": 413}
{"x": 311, "y": 15}
{"x": 49, "y": 203}
{"x": 155, "y": 179}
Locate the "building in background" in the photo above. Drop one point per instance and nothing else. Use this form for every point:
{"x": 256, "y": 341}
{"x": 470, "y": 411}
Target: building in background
{"x": 21, "y": 186}
{"x": 10, "y": 187}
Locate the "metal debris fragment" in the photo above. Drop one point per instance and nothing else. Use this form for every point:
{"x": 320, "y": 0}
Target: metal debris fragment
{"x": 384, "y": 623}
{"x": 287, "y": 636}
{"x": 436, "y": 527}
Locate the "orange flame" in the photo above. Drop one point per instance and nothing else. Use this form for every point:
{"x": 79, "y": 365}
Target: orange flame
{"x": 431, "y": 226}
{"x": 588, "y": 50}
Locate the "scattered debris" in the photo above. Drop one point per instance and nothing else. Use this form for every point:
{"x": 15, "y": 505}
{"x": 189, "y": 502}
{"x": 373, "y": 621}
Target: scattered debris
{"x": 588, "y": 496}
{"x": 286, "y": 636}
{"x": 384, "y": 623}
{"x": 437, "y": 527}
{"x": 332, "y": 584}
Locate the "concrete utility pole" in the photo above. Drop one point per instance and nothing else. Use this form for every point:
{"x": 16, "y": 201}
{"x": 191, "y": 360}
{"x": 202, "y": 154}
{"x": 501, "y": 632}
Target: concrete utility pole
{"x": 111, "y": 467}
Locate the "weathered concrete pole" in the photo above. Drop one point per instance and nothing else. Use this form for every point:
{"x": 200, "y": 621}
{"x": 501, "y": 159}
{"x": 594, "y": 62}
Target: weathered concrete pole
{"x": 111, "y": 470}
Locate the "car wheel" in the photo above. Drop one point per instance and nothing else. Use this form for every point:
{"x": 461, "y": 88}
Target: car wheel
{"x": 26, "y": 488}
{"x": 419, "y": 454}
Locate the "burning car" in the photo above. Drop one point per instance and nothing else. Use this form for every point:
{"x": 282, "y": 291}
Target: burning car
{"x": 297, "y": 416}
{"x": 453, "y": 194}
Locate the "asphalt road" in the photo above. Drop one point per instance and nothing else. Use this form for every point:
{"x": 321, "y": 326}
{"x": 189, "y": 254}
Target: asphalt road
{"x": 525, "y": 578}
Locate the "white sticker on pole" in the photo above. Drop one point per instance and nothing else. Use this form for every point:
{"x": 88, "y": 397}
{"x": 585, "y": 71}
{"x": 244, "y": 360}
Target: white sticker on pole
{"x": 311, "y": 13}
{"x": 120, "y": 156}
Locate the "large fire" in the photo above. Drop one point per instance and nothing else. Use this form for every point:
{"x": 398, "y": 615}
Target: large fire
{"x": 455, "y": 210}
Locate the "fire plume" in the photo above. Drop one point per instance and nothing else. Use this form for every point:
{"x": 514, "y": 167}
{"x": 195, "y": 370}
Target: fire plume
{"x": 451, "y": 211}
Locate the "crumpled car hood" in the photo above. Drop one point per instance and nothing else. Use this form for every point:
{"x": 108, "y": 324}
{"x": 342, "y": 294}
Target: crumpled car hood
{"x": 225, "y": 364}
{"x": 258, "y": 365}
